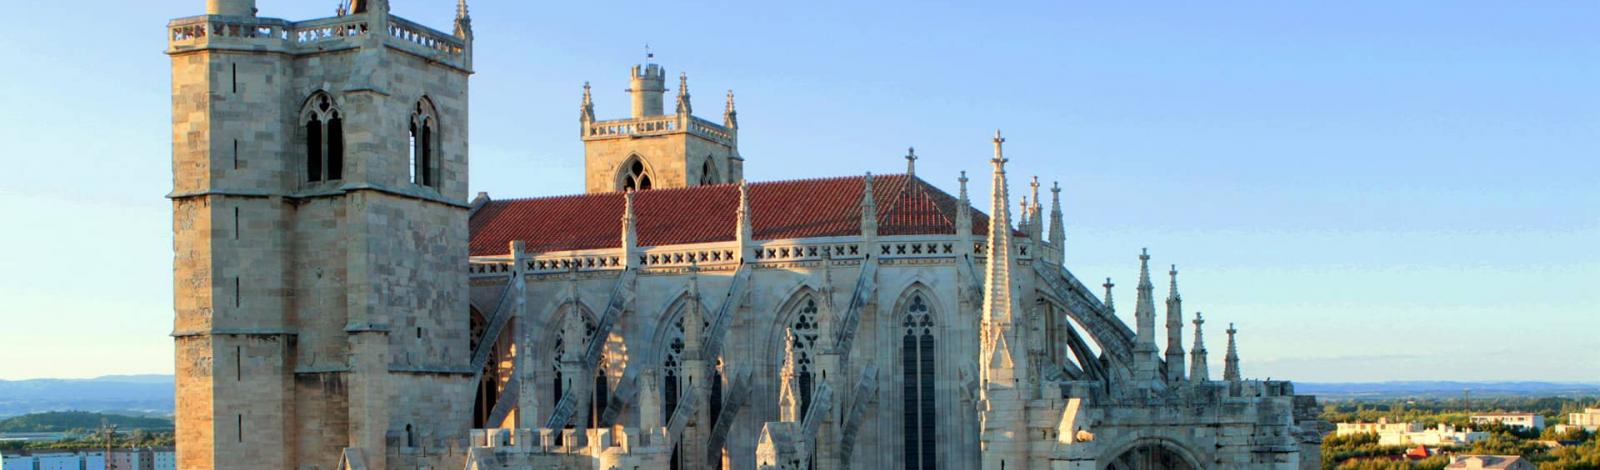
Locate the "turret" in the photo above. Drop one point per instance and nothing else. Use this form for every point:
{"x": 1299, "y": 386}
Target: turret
{"x": 964, "y": 217}
{"x": 231, "y": 7}
{"x": 647, "y": 84}
{"x": 1174, "y": 330}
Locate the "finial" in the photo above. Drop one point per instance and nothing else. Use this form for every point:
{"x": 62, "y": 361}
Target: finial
{"x": 999, "y": 153}
{"x": 586, "y": 110}
{"x": 1108, "y": 285}
{"x": 461, "y": 9}
{"x": 683, "y": 94}
{"x": 963, "y": 177}
{"x": 730, "y": 118}
{"x": 911, "y": 161}
{"x": 1035, "y": 185}
{"x": 648, "y": 56}
{"x": 1174, "y": 273}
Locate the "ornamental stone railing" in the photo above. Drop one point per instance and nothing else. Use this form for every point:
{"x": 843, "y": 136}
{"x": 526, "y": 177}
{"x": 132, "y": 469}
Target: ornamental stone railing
{"x": 312, "y": 36}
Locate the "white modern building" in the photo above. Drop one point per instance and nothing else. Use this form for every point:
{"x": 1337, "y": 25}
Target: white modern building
{"x": 1516, "y": 420}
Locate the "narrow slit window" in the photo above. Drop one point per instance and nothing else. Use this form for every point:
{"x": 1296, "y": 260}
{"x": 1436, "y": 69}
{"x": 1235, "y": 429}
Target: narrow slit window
{"x": 235, "y": 77}
{"x": 235, "y": 154}
{"x": 241, "y": 427}
{"x": 235, "y": 222}
{"x": 237, "y": 299}
{"x": 238, "y": 363}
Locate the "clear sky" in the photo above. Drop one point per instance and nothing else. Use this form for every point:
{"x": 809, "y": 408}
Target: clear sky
{"x": 1372, "y": 190}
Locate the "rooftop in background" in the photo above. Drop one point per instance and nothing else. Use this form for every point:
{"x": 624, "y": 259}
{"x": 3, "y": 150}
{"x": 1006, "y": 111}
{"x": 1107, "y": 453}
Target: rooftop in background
{"x": 808, "y": 208}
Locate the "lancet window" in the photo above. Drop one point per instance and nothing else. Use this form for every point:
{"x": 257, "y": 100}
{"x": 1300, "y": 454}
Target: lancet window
{"x": 637, "y": 177}
{"x": 917, "y": 369}
{"x": 804, "y": 341}
{"x": 323, "y": 126}
{"x": 423, "y": 148}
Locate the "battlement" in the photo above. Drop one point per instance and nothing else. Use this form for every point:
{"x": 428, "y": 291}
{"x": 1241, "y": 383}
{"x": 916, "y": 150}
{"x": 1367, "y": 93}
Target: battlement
{"x": 649, "y": 72}
{"x": 316, "y": 36}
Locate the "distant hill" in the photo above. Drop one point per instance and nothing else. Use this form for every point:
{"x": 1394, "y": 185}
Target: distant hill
{"x": 125, "y": 394}
{"x": 1446, "y": 389}
{"x": 62, "y": 421}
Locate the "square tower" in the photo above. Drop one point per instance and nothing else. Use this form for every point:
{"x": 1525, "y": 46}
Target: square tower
{"x": 653, "y": 150}
{"x": 320, "y": 238}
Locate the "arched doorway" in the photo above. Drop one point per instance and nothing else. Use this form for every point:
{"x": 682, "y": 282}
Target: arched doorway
{"x": 1152, "y": 454}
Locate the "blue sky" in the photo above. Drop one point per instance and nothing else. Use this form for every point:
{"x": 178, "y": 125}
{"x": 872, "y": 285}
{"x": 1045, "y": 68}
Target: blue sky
{"x": 1372, "y": 190}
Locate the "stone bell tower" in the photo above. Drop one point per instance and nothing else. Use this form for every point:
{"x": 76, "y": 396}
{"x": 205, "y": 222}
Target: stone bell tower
{"x": 319, "y": 235}
{"x": 653, "y": 150}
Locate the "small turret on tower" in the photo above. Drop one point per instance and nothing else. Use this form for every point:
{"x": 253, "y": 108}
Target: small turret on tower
{"x": 231, "y": 7}
{"x": 647, "y": 83}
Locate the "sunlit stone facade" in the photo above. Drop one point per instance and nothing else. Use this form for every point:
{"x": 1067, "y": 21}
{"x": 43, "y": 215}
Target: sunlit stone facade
{"x": 341, "y": 303}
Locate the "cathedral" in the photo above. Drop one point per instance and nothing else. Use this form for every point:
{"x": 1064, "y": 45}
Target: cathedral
{"x": 370, "y": 314}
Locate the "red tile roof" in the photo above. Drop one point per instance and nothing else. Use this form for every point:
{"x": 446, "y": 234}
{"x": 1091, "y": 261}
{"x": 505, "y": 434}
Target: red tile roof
{"x": 780, "y": 209}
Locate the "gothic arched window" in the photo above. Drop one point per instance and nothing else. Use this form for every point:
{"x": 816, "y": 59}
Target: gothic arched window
{"x": 804, "y": 340}
{"x": 917, "y": 367}
{"x": 423, "y": 146}
{"x": 637, "y": 177}
{"x": 708, "y": 172}
{"x": 323, "y": 125}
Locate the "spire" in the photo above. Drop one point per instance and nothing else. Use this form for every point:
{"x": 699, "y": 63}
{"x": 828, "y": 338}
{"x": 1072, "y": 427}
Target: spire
{"x": 745, "y": 232}
{"x": 630, "y": 227}
{"x": 683, "y": 94}
{"x": 997, "y": 306}
{"x": 789, "y": 381}
{"x": 1058, "y": 231}
{"x": 1022, "y": 216}
{"x": 1230, "y": 366}
{"x": 1146, "y": 363}
{"x": 1110, "y": 305}
{"x": 1033, "y": 210}
{"x": 1174, "y": 330}
{"x": 869, "y": 209}
{"x": 586, "y": 111}
{"x": 911, "y": 162}
{"x": 730, "y": 117}
{"x": 463, "y": 20}
{"x": 964, "y": 215}
{"x": 1144, "y": 305}
{"x": 1197, "y": 358}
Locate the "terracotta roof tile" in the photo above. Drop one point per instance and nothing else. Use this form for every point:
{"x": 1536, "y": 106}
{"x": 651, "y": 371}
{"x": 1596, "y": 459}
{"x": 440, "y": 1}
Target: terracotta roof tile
{"x": 780, "y": 209}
